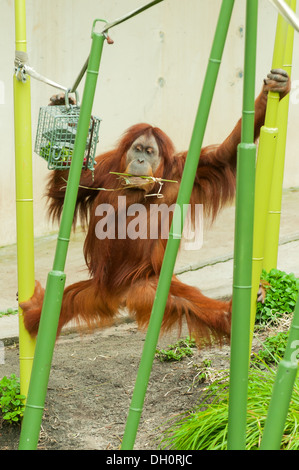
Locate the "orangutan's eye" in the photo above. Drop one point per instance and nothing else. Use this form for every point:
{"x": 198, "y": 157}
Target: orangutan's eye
{"x": 150, "y": 150}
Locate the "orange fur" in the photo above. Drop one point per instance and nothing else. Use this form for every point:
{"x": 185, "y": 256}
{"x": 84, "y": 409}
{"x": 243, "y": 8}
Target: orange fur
{"x": 125, "y": 272}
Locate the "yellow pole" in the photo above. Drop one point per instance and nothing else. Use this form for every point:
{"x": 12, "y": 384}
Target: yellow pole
{"x": 264, "y": 170}
{"x": 24, "y": 198}
{"x": 273, "y": 220}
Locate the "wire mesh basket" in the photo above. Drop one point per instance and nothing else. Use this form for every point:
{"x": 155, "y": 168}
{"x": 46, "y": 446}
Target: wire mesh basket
{"x": 56, "y": 133}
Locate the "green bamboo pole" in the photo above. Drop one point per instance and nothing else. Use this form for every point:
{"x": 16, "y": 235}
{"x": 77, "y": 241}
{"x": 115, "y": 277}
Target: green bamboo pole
{"x": 24, "y": 198}
{"x": 240, "y": 333}
{"x": 56, "y": 278}
{"x": 274, "y": 213}
{"x": 282, "y": 389}
{"x": 264, "y": 170}
{"x": 175, "y": 234}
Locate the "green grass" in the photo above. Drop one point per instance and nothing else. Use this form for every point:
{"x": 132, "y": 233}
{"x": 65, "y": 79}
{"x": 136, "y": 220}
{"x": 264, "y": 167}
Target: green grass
{"x": 281, "y": 296}
{"x": 11, "y": 401}
{"x": 206, "y": 427}
{"x": 176, "y": 352}
{"x": 273, "y": 348}
{"x": 9, "y": 311}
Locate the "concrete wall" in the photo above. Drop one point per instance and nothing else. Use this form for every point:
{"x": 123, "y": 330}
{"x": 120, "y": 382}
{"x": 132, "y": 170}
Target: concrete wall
{"x": 153, "y": 73}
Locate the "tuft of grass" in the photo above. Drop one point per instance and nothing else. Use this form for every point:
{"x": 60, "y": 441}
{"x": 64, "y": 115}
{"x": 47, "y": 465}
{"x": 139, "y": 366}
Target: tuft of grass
{"x": 176, "y": 352}
{"x": 9, "y": 311}
{"x": 206, "y": 427}
{"x": 281, "y": 296}
{"x": 11, "y": 401}
{"x": 273, "y": 348}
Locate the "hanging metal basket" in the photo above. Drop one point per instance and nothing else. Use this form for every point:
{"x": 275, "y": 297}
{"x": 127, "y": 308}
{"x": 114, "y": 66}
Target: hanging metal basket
{"x": 56, "y": 133}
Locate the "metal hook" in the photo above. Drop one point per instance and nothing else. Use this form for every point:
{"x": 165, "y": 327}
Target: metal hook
{"x": 67, "y": 102}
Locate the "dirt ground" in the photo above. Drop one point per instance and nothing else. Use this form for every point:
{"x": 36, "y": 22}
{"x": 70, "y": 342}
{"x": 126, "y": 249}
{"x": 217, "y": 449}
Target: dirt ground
{"x": 91, "y": 384}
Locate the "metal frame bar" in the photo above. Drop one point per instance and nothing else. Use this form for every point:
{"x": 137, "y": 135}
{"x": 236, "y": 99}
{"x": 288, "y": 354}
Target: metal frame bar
{"x": 286, "y": 11}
